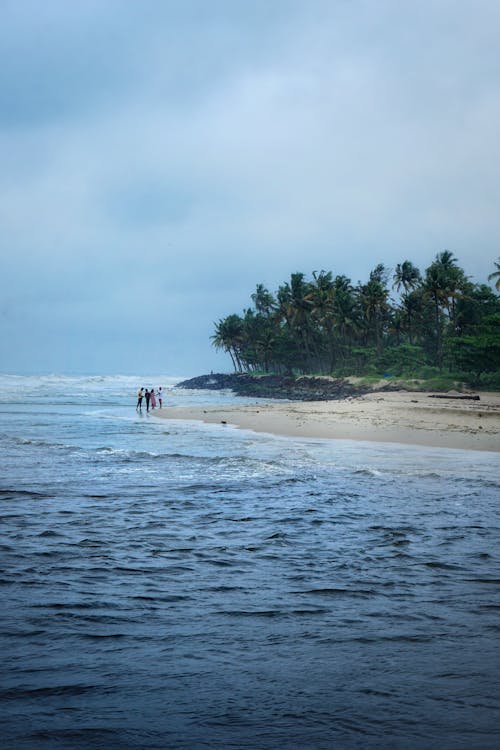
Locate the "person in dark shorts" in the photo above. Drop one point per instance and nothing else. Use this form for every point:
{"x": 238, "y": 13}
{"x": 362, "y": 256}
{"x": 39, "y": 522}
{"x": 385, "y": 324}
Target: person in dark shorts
{"x": 147, "y": 396}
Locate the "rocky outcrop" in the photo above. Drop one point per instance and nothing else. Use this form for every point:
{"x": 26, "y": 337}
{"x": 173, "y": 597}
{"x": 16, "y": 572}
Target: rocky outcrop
{"x": 280, "y": 386}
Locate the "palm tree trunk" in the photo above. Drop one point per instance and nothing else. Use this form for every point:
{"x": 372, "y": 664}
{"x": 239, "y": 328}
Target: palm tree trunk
{"x": 439, "y": 344}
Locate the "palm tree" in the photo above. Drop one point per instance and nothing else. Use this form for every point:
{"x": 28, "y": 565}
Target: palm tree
{"x": 301, "y": 305}
{"x": 263, "y": 300}
{"x": 455, "y": 283}
{"x": 219, "y": 340}
{"x": 227, "y": 336}
{"x": 373, "y": 297}
{"x": 411, "y": 307}
{"x": 321, "y": 296}
{"x": 321, "y": 291}
{"x": 380, "y": 273}
{"x": 436, "y": 289}
{"x": 265, "y": 345}
{"x": 284, "y": 297}
{"x": 496, "y": 274}
{"x": 296, "y": 305}
{"x": 345, "y": 314}
{"x": 406, "y": 275}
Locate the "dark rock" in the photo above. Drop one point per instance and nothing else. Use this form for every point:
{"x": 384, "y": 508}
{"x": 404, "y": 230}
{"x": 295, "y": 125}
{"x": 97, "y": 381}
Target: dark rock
{"x": 279, "y": 386}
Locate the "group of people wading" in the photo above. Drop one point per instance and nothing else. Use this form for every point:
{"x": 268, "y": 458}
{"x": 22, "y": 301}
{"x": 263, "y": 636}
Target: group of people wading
{"x": 150, "y": 397}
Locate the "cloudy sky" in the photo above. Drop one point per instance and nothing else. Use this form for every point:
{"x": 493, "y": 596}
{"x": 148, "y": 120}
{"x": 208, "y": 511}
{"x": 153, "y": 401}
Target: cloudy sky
{"x": 160, "y": 158}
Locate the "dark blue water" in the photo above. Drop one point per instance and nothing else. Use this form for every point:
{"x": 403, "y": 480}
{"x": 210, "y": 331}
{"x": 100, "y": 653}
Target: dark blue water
{"x": 175, "y": 585}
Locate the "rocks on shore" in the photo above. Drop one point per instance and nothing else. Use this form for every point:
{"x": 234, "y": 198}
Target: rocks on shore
{"x": 280, "y": 386}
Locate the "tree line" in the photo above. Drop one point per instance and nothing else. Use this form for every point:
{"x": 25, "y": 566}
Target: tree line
{"x": 404, "y": 323}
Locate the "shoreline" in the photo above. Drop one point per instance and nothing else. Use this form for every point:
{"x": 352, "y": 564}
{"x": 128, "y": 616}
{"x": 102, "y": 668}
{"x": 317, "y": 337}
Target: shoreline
{"x": 406, "y": 417}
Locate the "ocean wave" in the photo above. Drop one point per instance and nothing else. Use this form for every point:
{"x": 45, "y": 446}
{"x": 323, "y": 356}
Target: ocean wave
{"x": 14, "y": 493}
{"x": 46, "y": 444}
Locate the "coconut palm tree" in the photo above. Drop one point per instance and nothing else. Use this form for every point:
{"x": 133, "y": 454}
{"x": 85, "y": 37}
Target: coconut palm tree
{"x": 265, "y": 345}
{"x": 411, "y": 308}
{"x": 263, "y": 300}
{"x": 436, "y": 286}
{"x": 373, "y": 297}
{"x": 227, "y": 336}
{"x": 407, "y": 276}
{"x": 345, "y": 314}
{"x": 496, "y": 274}
{"x": 296, "y": 306}
{"x": 321, "y": 296}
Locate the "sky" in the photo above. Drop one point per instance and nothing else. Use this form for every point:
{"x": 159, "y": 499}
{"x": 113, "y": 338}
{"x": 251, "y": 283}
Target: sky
{"x": 161, "y": 158}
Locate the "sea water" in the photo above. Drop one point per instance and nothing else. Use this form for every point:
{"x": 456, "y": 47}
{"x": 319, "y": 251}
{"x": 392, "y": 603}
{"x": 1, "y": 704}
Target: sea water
{"x": 179, "y": 585}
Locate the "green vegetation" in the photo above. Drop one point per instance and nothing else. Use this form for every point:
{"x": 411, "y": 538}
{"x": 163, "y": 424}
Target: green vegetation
{"x": 439, "y": 326}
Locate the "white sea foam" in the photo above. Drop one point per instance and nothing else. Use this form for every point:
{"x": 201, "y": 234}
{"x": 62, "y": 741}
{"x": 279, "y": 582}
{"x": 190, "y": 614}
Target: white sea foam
{"x": 111, "y": 399}
{"x": 19, "y": 387}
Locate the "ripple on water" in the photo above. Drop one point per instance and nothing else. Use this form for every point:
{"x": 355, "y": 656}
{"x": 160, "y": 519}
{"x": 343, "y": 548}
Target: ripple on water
{"x": 200, "y": 588}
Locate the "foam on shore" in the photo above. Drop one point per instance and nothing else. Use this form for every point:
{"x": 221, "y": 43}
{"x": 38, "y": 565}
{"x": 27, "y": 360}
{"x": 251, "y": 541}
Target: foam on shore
{"x": 401, "y": 417}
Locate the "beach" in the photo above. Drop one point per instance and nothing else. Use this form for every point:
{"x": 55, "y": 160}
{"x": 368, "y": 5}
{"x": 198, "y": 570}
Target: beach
{"x": 407, "y": 417}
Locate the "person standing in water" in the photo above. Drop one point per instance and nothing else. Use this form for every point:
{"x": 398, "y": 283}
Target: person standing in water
{"x": 159, "y": 395}
{"x": 147, "y": 396}
{"x": 140, "y": 396}
{"x": 153, "y": 399}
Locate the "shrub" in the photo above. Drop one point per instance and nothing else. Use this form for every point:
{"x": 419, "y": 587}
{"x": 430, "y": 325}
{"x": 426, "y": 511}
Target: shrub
{"x": 402, "y": 359}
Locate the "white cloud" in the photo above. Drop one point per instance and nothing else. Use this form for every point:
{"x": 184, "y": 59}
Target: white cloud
{"x": 203, "y": 158}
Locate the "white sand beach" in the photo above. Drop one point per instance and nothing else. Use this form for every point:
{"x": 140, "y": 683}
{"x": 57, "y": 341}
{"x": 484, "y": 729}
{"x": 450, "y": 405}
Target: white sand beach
{"x": 400, "y": 417}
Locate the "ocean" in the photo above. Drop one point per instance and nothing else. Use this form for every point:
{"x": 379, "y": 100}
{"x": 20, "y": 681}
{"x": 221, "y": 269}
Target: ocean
{"x": 180, "y": 585}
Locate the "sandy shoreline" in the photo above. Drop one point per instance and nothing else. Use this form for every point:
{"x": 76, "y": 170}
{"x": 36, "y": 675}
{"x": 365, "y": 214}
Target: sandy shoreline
{"x": 402, "y": 417}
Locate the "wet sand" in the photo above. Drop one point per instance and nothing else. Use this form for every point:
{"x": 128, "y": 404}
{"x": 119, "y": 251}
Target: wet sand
{"x": 402, "y": 417}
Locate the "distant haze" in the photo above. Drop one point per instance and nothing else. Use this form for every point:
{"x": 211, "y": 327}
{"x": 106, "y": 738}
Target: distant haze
{"x": 160, "y": 158}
